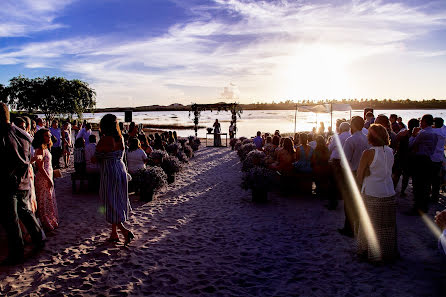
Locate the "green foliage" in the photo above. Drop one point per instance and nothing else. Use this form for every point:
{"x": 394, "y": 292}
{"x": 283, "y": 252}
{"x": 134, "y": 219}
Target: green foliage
{"x": 49, "y": 95}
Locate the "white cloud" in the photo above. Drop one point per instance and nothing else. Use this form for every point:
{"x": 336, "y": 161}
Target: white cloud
{"x": 275, "y": 50}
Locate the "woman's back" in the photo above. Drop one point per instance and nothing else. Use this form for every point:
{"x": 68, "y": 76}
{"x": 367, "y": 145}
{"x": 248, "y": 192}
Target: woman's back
{"x": 379, "y": 183}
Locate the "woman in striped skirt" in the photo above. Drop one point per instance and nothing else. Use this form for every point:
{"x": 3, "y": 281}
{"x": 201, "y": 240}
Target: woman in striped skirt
{"x": 114, "y": 182}
{"x": 378, "y": 243}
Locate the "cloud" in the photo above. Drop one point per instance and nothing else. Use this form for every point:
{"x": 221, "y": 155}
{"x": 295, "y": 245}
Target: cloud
{"x": 277, "y": 49}
{"x": 23, "y": 17}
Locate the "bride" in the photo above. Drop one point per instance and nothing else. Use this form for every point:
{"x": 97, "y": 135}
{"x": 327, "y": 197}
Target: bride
{"x": 217, "y": 131}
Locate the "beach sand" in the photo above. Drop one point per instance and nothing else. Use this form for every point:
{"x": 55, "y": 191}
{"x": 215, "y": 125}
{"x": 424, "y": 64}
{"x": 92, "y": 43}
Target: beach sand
{"x": 203, "y": 236}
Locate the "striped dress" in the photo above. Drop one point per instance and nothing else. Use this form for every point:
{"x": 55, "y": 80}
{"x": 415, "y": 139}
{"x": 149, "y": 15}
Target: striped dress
{"x": 113, "y": 189}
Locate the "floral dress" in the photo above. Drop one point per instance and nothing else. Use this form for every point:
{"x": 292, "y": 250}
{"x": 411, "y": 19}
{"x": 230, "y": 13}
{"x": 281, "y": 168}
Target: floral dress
{"x": 46, "y": 196}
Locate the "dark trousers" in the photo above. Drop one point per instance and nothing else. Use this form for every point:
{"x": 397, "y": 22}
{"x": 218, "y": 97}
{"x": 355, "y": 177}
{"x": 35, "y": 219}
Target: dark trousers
{"x": 14, "y": 208}
{"x": 421, "y": 180}
{"x": 435, "y": 180}
{"x": 339, "y": 181}
{"x": 56, "y": 153}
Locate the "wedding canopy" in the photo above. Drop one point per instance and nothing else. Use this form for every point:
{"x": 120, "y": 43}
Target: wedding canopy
{"x": 234, "y": 108}
{"x": 322, "y": 108}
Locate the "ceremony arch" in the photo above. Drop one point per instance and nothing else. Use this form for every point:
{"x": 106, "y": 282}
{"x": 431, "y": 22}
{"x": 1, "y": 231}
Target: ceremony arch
{"x": 234, "y": 108}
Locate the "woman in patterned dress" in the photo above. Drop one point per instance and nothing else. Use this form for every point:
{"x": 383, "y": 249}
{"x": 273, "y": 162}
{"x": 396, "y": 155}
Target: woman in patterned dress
{"x": 114, "y": 178}
{"x": 43, "y": 182}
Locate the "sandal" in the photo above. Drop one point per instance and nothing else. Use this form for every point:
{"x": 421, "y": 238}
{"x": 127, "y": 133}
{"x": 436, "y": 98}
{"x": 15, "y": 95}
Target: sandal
{"x": 130, "y": 236}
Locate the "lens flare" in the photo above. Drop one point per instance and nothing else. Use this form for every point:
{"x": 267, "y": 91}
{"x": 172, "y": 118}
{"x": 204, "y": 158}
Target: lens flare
{"x": 358, "y": 203}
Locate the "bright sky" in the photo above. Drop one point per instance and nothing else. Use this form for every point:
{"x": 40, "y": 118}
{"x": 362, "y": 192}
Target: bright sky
{"x": 140, "y": 52}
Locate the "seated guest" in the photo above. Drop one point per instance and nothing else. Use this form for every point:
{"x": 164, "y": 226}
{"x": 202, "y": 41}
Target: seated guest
{"x": 158, "y": 143}
{"x": 136, "y": 157}
{"x": 90, "y": 150}
{"x": 440, "y": 220}
{"x": 268, "y": 148}
{"x": 258, "y": 141}
{"x": 133, "y": 130}
{"x": 285, "y": 158}
{"x": 375, "y": 180}
{"x": 79, "y": 155}
{"x": 145, "y": 143}
{"x": 321, "y": 168}
{"x": 303, "y": 155}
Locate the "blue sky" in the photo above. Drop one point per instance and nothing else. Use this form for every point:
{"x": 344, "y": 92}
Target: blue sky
{"x": 143, "y": 52}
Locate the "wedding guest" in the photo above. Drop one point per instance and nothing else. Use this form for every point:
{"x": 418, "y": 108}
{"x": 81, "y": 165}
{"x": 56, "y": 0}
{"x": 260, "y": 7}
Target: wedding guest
{"x": 321, "y": 130}
{"x": 437, "y": 158}
{"x": 384, "y": 120}
{"x": 423, "y": 142}
{"x": 133, "y": 130}
{"x": 79, "y": 156}
{"x": 285, "y": 158}
{"x": 401, "y": 124}
{"x": 321, "y": 169}
{"x": 114, "y": 181}
{"x": 39, "y": 124}
{"x": 136, "y": 157}
{"x": 44, "y": 184}
{"x": 85, "y": 132}
{"x": 33, "y": 128}
{"x": 145, "y": 144}
{"x": 369, "y": 119}
{"x": 312, "y": 141}
{"x": 375, "y": 180}
{"x": 56, "y": 148}
{"x": 90, "y": 149}
{"x": 20, "y": 123}
{"x": 394, "y": 124}
{"x": 258, "y": 141}
{"x": 231, "y": 130}
{"x": 303, "y": 155}
{"x": 353, "y": 148}
{"x": 15, "y": 147}
{"x": 158, "y": 143}
{"x": 75, "y": 127}
{"x": 402, "y": 164}
{"x": 175, "y": 136}
{"x": 269, "y": 147}
{"x": 66, "y": 143}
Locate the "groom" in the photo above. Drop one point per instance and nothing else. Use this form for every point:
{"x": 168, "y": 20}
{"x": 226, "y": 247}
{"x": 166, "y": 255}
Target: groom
{"x": 15, "y": 149}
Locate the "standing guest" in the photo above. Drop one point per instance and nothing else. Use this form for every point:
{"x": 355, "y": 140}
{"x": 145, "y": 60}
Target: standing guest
{"x": 114, "y": 181}
{"x": 369, "y": 119}
{"x": 423, "y": 143}
{"x": 321, "y": 130}
{"x": 27, "y": 120}
{"x": 56, "y": 149}
{"x": 231, "y": 130}
{"x": 85, "y": 133}
{"x": 402, "y": 164}
{"x": 321, "y": 168}
{"x": 277, "y": 133}
{"x": 15, "y": 148}
{"x": 44, "y": 184}
{"x": 90, "y": 149}
{"x": 375, "y": 180}
{"x": 66, "y": 143}
{"x": 401, "y": 124}
{"x": 75, "y": 127}
{"x": 394, "y": 124}
{"x": 312, "y": 140}
{"x": 217, "y": 131}
{"x": 329, "y": 132}
{"x": 20, "y": 123}
{"x": 384, "y": 120}
{"x": 33, "y": 128}
{"x": 335, "y": 163}
{"x": 258, "y": 141}
{"x": 303, "y": 155}
{"x": 353, "y": 148}
{"x": 437, "y": 159}
{"x": 79, "y": 156}
{"x": 39, "y": 124}
{"x": 136, "y": 157}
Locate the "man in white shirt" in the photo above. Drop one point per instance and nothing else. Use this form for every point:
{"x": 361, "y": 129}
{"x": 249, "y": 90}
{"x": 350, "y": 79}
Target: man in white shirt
{"x": 39, "y": 124}
{"x": 85, "y": 133}
{"x": 335, "y": 162}
{"x": 90, "y": 150}
{"x": 353, "y": 148}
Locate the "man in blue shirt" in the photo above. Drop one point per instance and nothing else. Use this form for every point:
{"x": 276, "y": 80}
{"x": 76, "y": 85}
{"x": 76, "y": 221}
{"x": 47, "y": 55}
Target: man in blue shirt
{"x": 422, "y": 143}
{"x": 56, "y": 149}
{"x": 258, "y": 141}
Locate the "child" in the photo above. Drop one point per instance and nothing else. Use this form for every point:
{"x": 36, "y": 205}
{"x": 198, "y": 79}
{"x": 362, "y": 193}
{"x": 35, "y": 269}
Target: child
{"x": 79, "y": 155}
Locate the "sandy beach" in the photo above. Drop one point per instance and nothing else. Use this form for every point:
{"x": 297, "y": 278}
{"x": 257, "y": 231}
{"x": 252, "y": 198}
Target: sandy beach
{"x": 202, "y": 236}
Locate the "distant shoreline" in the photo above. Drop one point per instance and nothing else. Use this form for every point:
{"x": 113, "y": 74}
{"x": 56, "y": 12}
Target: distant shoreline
{"x": 356, "y": 105}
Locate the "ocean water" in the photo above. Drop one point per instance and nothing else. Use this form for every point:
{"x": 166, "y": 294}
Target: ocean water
{"x": 252, "y": 121}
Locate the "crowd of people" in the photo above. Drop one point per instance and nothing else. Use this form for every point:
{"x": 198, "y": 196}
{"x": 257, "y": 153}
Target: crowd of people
{"x": 33, "y": 150}
{"x": 369, "y": 154}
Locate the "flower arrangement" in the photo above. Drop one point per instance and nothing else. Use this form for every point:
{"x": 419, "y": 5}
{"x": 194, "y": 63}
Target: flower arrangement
{"x": 149, "y": 181}
{"x": 237, "y": 145}
{"x": 183, "y": 141}
{"x": 156, "y": 157}
{"x": 246, "y": 141}
{"x": 209, "y": 130}
{"x": 188, "y": 151}
{"x": 171, "y": 165}
{"x": 242, "y": 138}
{"x": 194, "y": 142}
{"x": 259, "y": 178}
{"x": 172, "y": 149}
{"x": 245, "y": 149}
{"x": 182, "y": 157}
{"x": 232, "y": 142}
{"x": 253, "y": 158}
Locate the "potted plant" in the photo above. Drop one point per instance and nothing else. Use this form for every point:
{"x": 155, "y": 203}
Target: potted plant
{"x": 232, "y": 142}
{"x": 172, "y": 149}
{"x": 188, "y": 151}
{"x": 260, "y": 180}
{"x": 194, "y": 142}
{"x": 149, "y": 181}
{"x": 237, "y": 145}
{"x": 209, "y": 130}
{"x": 156, "y": 157}
{"x": 171, "y": 165}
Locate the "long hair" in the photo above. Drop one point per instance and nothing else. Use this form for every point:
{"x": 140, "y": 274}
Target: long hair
{"x": 288, "y": 145}
{"x": 109, "y": 127}
{"x": 39, "y": 139}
